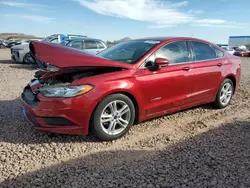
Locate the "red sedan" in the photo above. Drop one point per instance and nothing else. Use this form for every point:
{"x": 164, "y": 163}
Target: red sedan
{"x": 127, "y": 83}
{"x": 242, "y": 52}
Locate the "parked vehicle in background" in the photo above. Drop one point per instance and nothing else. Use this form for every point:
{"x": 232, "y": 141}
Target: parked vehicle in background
{"x": 125, "y": 84}
{"x": 2, "y": 44}
{"x": 242, "y": 52}
{"x": 20, "y": 53}
{"x": 58, "y": 38}
{"x": 89, "y": 45}
{"x": 27, "y": 41}
{"x": 229, "y": 49}
{"x": 10, "y": 43}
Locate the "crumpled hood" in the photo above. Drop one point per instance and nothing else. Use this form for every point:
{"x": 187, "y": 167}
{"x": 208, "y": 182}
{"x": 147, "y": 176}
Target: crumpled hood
{"x": 67, "y": 57}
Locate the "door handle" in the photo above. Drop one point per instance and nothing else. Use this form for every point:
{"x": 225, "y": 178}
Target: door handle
{"x": 186, "y": 68}
{"x": 219, "y": 64}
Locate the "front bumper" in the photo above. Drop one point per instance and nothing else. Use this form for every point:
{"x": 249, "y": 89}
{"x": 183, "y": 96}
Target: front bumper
{"x": 57, "y": 115}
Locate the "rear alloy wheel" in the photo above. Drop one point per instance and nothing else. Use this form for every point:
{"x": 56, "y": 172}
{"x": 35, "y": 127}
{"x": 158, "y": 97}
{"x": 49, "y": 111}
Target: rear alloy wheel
{"x": 113, "y": 117}
{"x": 225, "y": 94}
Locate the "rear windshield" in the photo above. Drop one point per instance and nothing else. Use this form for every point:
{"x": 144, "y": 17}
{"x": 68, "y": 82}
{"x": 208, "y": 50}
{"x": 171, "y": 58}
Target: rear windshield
{"x": 128, "y": 52}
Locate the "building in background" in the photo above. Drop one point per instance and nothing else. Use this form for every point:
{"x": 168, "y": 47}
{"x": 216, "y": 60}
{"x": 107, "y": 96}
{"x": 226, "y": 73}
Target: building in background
{"x": 236, "y": 41}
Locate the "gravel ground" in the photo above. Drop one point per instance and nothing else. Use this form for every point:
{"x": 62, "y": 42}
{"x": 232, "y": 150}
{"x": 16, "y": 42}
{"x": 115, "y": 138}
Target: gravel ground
{"x": 200, "y": 147}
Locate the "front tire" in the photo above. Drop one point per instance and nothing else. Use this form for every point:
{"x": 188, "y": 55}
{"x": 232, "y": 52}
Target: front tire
{"x": 25, "y": 58}
{"x": 225, "y": 94}
{"x": 113, "y": 117}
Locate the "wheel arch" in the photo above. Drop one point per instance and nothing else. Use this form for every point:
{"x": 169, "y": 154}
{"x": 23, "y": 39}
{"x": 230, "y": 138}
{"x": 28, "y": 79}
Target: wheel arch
{"x": 233, "y": 79}
{"x": 124, "y": 92}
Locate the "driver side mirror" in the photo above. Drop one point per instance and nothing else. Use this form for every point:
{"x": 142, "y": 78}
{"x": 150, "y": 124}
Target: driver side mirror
{"x": 159, "y": 62}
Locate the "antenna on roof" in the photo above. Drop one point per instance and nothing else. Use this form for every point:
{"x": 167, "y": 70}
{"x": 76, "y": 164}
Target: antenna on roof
{"x": 193, "y": 34}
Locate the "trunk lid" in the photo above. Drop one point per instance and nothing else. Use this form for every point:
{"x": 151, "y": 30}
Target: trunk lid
{"x": 66, "y": 57}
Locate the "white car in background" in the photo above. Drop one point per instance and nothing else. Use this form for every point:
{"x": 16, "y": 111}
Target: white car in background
{"x": 20, "y": 53}
{"x": 229, "y": 49}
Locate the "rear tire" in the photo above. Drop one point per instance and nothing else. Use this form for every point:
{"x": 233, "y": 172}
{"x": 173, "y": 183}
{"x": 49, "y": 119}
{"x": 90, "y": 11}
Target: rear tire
{"x": 225, "y": 94}
{"x": 113, "y": 117}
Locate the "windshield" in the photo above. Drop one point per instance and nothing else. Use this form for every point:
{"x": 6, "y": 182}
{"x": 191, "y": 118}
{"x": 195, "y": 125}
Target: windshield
{"x": 128, "y": 52}
{"x": 48, "y": 39}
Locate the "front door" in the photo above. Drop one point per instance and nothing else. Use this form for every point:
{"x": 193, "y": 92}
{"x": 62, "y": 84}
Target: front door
{"x": 168, "y": 87}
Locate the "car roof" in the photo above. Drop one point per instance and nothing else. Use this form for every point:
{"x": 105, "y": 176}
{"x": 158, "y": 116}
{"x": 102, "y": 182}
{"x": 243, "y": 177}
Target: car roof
{"x": 154, "y": 38}
{"x": 83, "y": 38}
{"x": 162, "y": 39}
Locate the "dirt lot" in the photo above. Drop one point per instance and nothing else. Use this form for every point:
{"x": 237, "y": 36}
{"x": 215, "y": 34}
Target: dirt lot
{"x": 200, "y": 147}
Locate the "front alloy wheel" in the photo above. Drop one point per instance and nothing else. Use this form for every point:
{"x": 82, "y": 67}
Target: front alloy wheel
{"x": 113, "y": 117}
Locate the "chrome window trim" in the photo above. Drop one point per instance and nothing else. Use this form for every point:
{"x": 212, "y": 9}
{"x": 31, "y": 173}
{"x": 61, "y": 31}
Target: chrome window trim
{"x": 188, "y": 62}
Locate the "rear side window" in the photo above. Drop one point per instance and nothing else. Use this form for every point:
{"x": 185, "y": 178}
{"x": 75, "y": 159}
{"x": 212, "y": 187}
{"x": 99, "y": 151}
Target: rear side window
{"x": 203, "y": 51}
{"x": 219, "y": 53}
{"x": 100, "y": 45}
{"x": 90, "y": 45}
{"x": 176, "y": 52}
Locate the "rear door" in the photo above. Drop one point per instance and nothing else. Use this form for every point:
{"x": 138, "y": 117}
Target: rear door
{"x": 207, "y": 68}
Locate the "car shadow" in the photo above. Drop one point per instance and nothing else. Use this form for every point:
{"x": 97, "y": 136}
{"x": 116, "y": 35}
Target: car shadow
{"x": 16, "y": 65}
{"x": 7, "y": 62}
{"x": 24, "y": 66}
{"x": 216, "y": 158}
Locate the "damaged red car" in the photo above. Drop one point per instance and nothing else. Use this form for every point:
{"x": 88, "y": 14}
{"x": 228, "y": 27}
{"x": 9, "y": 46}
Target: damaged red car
{"x": 77, "y": 93}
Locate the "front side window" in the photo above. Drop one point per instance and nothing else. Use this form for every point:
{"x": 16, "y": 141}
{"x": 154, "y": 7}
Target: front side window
{"x": 176, "y": 52}
{"x": 203, "y": 51}
{"x": 90, "y": 45}
{"x": 76, "y": 44}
